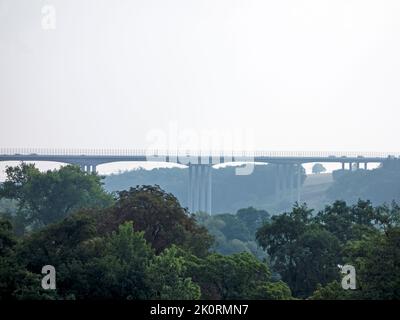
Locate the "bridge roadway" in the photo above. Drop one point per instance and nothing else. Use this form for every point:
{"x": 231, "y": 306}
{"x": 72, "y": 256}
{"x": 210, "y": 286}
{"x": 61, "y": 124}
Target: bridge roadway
{"x": 288, "y": 173}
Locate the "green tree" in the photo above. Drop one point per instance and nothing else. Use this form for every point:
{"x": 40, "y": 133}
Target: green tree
{"x": 120, "y": 270}
{"x": 301, "y": 251}
{"x": 237, "y": 276}
{"x": 16, "y": 282}
{"x": 376, "y": 259}
{"x": 57, "y": 243}
{"x": 234, "y": 233}
{"x": 350, "y": 222}
{"x": 331, "y": 291}
{"x": 47, "y": 197}
{"x": 7, "y": 263}
{"x": 88, "y": 266}
{"x": 253, "y": 218}
{"x": 160, "y": 216}
{"x": 7, "y": 238}
{"x": 318, "y": 168}
{"x": 167, "y": 275}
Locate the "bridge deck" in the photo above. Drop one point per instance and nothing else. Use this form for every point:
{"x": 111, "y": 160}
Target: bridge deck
{"x": 101, "y": 156}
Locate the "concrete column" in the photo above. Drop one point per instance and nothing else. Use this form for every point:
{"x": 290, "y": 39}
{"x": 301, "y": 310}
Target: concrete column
{"x": 190, "y": 188}
{"x": 350, "y": 167}
{"x": 288, "y": 179}
{"x": 199, "y": 189}
{"x": 209, "y": 190}
{"x": 202, "y": 191}
{"x": 206, "y": 192}
{"x": 298, "y": 187}
{"x": 343, "y": 166}
{"x": 196, "y": 188}
{"x": 358, "y": 165}
{"x": 291, "y": 182}
{"x": 365, "y": 165}
{"x": 278, "y": 182}
{"x": 284, "y": 179}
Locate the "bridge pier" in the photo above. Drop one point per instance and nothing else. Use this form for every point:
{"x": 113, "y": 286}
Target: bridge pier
{"x": 199, "y": 188}
{"x": 288, "y": 181}
{"x": 277, "y": 182}
{"x": 291, "y": 174}
{"x": 285, "y": 179}
{"x": 298, "y": 186}
{"x": 89, "y": 168}
{"x": 282, "y": 180}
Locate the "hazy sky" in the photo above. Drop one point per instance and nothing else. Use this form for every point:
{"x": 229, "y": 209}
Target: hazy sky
{"x": 312, "y": 75}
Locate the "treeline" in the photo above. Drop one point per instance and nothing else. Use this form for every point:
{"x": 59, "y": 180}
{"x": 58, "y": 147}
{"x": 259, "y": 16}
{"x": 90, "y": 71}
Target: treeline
{"x": 145, "y": 246}
{"x": 142, "y": 244}
{"x": 33, "y": 199}
{"x": 306, "y": 250}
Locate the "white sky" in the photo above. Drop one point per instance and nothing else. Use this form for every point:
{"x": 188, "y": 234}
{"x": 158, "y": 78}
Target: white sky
{"x": 297, "y": 75}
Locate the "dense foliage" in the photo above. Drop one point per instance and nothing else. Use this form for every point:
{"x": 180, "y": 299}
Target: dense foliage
{"x": 42, "y": 198}
{"x": 141, "y": 243}
{"x": 306, "y": 249}
{"x": 144, "y": 246}
{"x": 234, "y": 233}
{"x": 159, "y": 215}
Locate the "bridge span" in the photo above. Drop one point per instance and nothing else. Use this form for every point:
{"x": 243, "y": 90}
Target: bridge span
{"x": 200, "y": 164}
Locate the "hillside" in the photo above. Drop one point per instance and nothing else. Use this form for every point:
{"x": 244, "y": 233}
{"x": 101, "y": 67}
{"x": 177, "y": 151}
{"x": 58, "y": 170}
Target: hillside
{"x": 314, "y": 190}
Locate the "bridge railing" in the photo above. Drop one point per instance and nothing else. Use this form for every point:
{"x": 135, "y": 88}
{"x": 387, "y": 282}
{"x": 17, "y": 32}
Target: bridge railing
{"x": 160, "y": 152}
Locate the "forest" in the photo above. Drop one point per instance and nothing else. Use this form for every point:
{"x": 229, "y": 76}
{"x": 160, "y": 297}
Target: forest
{"x": 141, "y": 243}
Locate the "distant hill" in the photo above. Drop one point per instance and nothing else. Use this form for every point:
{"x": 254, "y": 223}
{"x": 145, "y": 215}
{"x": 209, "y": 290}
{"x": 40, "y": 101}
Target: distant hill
{"x": 230, "y": 192}
{"x": 381, "y": 185}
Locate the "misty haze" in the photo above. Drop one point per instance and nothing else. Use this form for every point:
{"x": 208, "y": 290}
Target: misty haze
{"x": 199, "y": 150}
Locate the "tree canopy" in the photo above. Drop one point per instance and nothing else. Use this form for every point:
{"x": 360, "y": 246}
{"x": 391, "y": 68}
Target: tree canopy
{"x": 142, "y": 244}
{"x": 306, "y": 249}
{"x": 121, "y": 262}
{"x": 47, "y": 197}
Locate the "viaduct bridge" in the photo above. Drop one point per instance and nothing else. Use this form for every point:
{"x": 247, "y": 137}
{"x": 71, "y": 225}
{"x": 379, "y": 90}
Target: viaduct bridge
{"x": 200, "y": 164}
